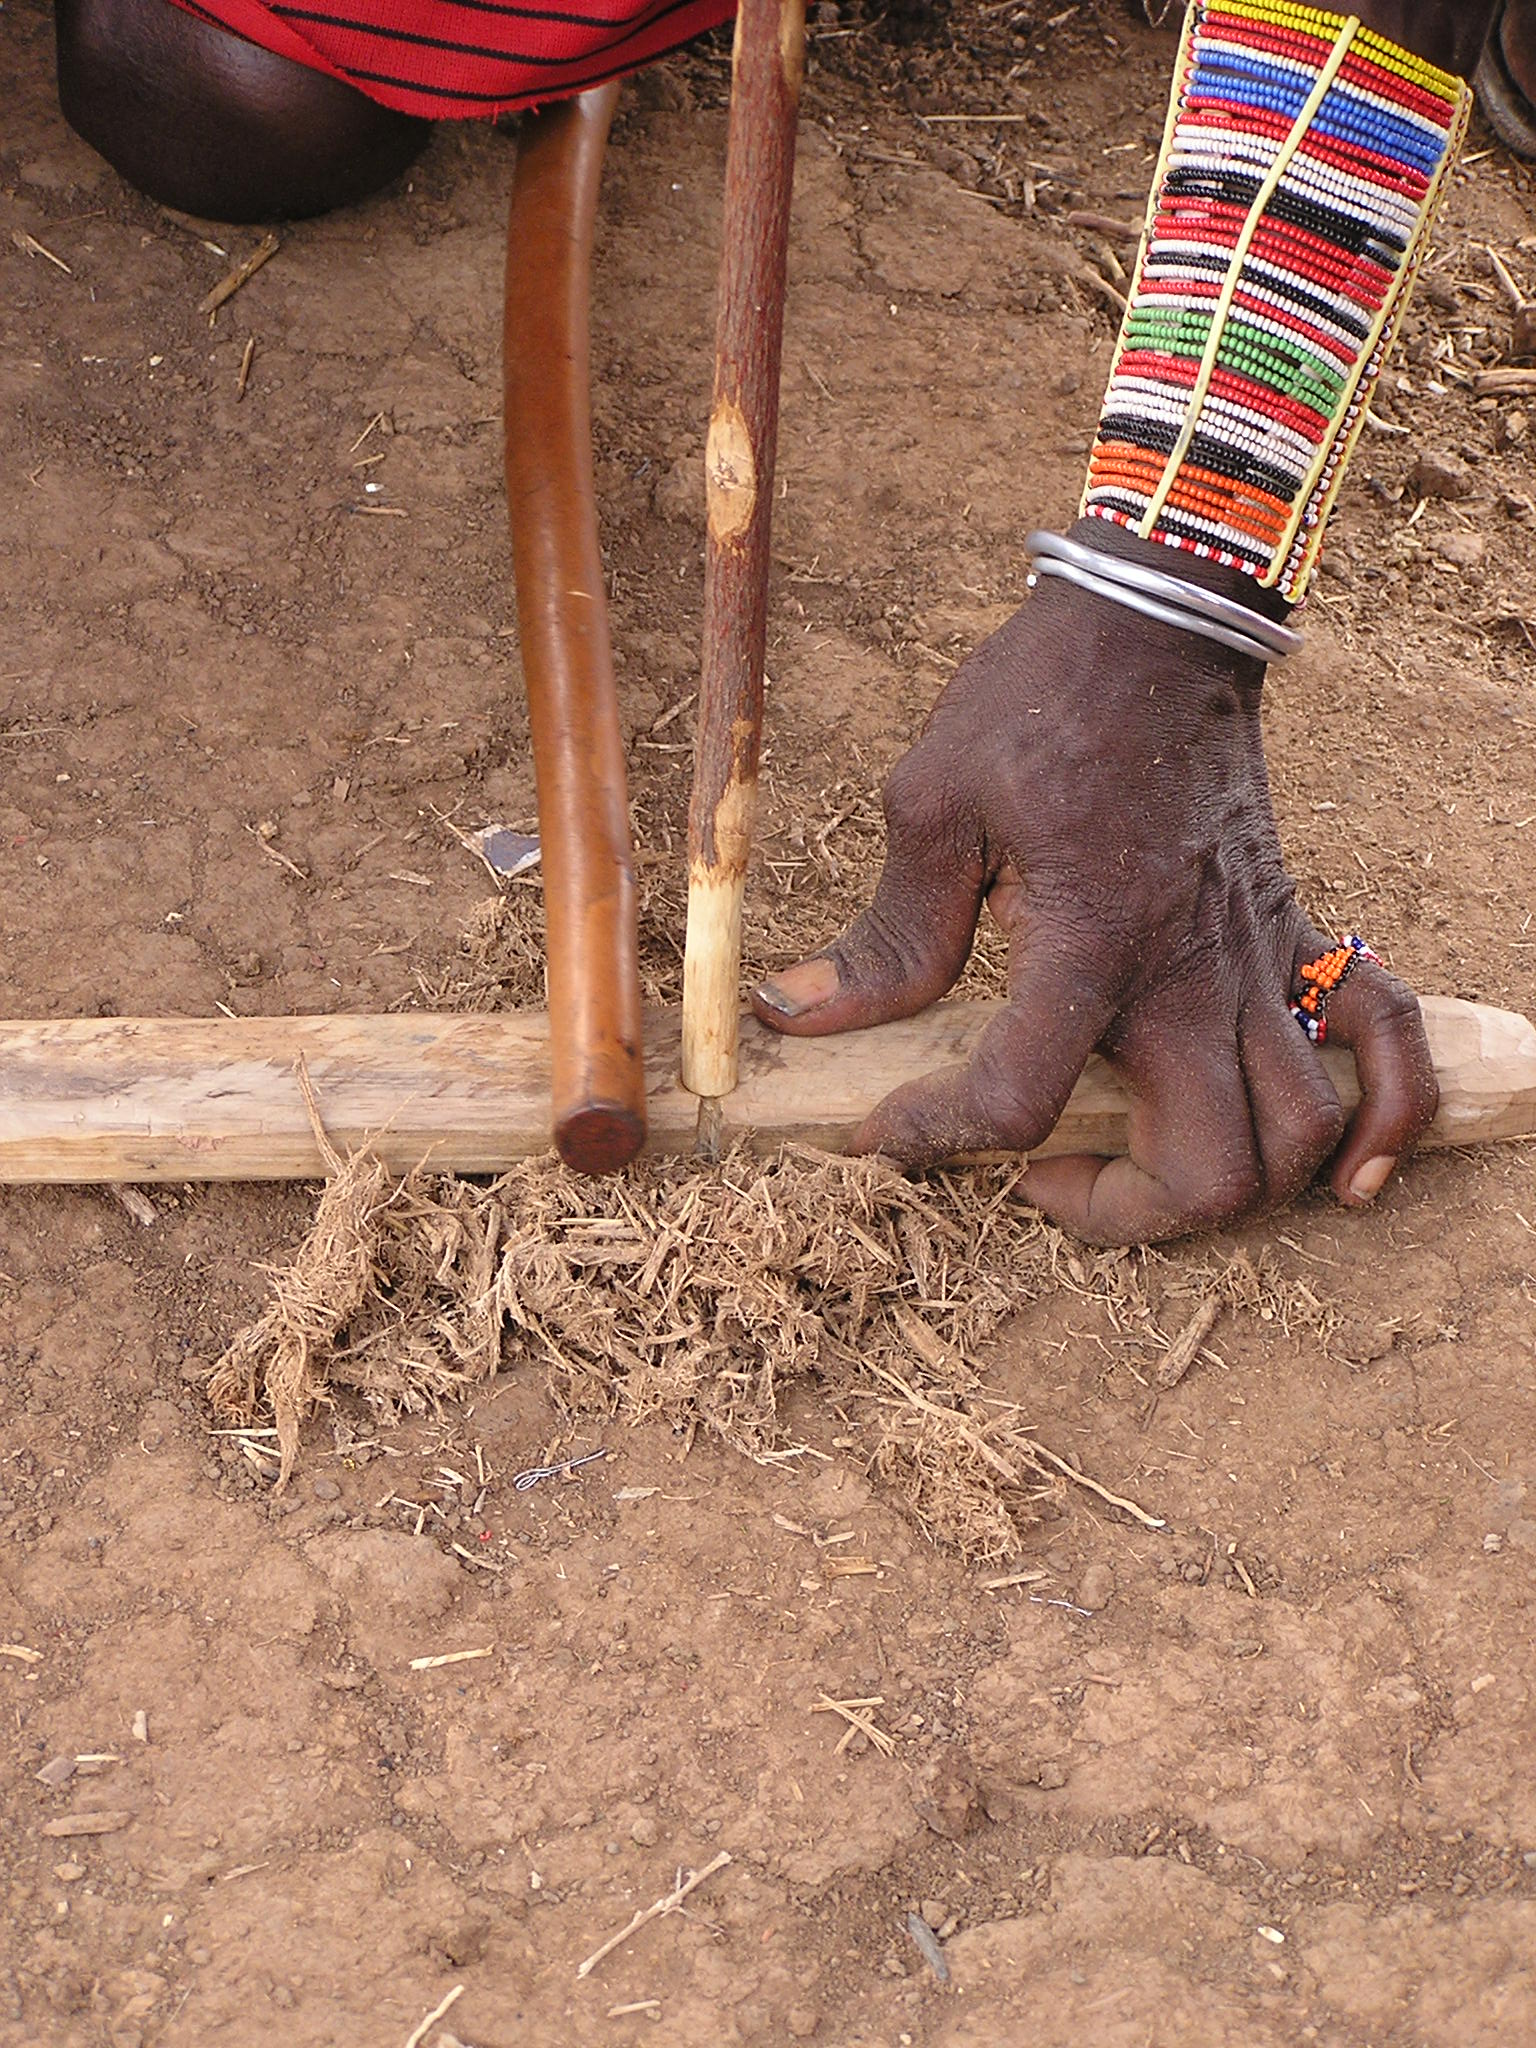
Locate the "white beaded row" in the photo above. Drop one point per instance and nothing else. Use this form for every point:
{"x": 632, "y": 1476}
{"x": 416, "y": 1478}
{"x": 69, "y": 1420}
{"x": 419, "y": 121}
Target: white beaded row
{"x": 1310, "y": 178}
{"x": 1348, "y": 344}
{"x": 1284, "y": 444}
{"x": 1339, "y": 302}
{"x": 1260, "y": 323}
{"x": 1349, "y": 89}
{"x": 1217, "y": 44}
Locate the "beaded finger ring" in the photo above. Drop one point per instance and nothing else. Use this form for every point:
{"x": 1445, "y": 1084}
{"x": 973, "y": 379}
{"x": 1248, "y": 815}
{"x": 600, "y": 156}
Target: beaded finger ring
{"x": 1320, "y": 977}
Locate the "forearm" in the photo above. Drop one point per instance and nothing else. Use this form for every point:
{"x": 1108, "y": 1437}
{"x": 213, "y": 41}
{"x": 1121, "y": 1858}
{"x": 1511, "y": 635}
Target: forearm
{"x": 1303, "y": 163}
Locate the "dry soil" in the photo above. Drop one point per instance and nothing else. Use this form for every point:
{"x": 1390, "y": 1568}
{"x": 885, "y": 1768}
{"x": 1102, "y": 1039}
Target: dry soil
{"x": 1261, "y": 1778}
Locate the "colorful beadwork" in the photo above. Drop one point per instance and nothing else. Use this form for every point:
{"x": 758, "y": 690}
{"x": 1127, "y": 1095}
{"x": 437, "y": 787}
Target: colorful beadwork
{"x": 1320, "y": 977}
{"x": 1302, "y": 164}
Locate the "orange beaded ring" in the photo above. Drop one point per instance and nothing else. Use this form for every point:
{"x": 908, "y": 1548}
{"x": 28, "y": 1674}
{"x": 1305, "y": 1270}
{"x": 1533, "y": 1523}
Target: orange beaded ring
{"x": 1320, "y": 977}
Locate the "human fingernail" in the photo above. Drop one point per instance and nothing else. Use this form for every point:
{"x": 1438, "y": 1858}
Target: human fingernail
{"x": 1372, "y": 1177}
{"x": 805, "y": 986}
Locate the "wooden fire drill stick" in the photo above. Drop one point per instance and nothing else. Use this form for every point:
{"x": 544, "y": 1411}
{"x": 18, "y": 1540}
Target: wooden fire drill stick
{"x": 596, "y": 1056}
{"x": 767, "y": 64}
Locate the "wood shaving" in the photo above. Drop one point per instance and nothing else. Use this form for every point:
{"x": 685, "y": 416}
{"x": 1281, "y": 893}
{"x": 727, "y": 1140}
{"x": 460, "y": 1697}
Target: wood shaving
{"x": 699, "y": 1296}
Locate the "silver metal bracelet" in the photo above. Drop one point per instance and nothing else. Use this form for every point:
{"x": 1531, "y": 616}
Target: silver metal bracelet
{"x": 1173, "y": 589}
{"x": 1135, "y": 601}
{"x": 1155, "y": 594}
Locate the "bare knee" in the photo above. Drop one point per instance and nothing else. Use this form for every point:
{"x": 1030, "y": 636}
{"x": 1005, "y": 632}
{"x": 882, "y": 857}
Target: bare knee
{"x": 199, "y": 119}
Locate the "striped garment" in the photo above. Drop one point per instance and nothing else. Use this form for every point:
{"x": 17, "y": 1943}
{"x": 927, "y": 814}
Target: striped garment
{"x": 447, "y": 59}
{"x": 1302, "y": 163}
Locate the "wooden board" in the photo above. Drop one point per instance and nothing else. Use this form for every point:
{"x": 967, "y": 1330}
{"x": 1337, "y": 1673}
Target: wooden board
{"x": 147, "y": 1099}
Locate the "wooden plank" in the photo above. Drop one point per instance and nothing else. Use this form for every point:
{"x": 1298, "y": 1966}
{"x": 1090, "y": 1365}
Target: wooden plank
{"x": 140, "y": 1099}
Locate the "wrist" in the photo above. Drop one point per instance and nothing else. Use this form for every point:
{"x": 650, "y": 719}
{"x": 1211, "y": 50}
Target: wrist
{"x": 1132, "y": 657}
{"x": 1107, "y": 537}
{"x": 1303, "y": 162}
{"x": 1154, "y": 593}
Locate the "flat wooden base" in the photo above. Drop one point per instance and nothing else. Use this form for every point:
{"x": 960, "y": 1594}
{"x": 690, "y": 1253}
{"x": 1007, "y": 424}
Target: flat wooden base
{"x": 130, "y": 1099}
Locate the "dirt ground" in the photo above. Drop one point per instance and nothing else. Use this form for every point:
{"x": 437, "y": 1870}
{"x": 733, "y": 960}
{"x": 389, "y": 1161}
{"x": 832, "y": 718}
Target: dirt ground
{"x": 1257, "y": 1778}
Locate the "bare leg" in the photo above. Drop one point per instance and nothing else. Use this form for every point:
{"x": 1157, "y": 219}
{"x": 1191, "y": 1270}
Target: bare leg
{"x": 1450, "y": 33}
{"x": 1516, "y": 32}
{"x": 205, "y": 121}
{"x": 1506, "y": 78}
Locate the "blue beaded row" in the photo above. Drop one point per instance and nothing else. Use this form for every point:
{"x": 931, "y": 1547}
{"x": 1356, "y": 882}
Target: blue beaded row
{"x": 1344, "y": 115}
{"x": 1348, "y": 119}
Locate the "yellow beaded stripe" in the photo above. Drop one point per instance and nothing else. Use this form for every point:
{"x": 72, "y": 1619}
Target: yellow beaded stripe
{"x": 1318, "y": 20}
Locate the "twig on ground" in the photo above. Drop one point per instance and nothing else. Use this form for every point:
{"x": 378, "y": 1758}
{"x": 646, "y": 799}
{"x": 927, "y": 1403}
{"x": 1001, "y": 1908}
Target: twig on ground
{"x": 669, "y": 1904}
{"x": 137, "y": 1203}
{"x": 1115, "y": 1500}
{"x": 1496, "y": 383}
{"x": 1106, "y": 224}
{"x": 1244, "y": 1574}
{"x": 1185, "y": 1348}
{"x": 29, "y": 245}
{"x": 272, "y": 853}
{"x": 376, "y": 421}
{"x": 70, "y": 1825}
{"x": 855, "y": 1713}
{"x": 242, "y": 273}
{"x": 484, "y": 1564}
{"x": 418, "y": 2034}
{"x": 1502, "y": 272}
{"x": 449, "y": 1657}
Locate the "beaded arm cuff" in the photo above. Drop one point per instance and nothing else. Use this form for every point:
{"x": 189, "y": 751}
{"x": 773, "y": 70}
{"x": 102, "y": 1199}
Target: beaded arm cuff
{"x": 1302, "y": 164}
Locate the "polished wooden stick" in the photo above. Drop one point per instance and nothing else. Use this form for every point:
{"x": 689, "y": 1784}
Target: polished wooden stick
{"x": 739, "y": 460}
{"x": 595, "y": 1056}
{"x": 128, "y": 1099}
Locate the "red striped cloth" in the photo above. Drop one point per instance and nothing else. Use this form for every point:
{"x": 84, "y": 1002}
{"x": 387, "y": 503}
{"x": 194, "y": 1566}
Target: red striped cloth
{"x": 446, "y": 59}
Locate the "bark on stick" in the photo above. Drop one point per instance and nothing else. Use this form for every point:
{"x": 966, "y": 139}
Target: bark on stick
{"x": 739, "y": 462}
{"x": 596, "y": 1057}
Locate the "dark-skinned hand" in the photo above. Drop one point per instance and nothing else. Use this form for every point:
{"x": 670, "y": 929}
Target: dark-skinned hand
{"x": 1098, "y": 781}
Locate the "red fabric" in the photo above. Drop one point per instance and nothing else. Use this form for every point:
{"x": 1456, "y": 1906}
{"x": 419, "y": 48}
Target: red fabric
{"x": 447, "y": 59}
